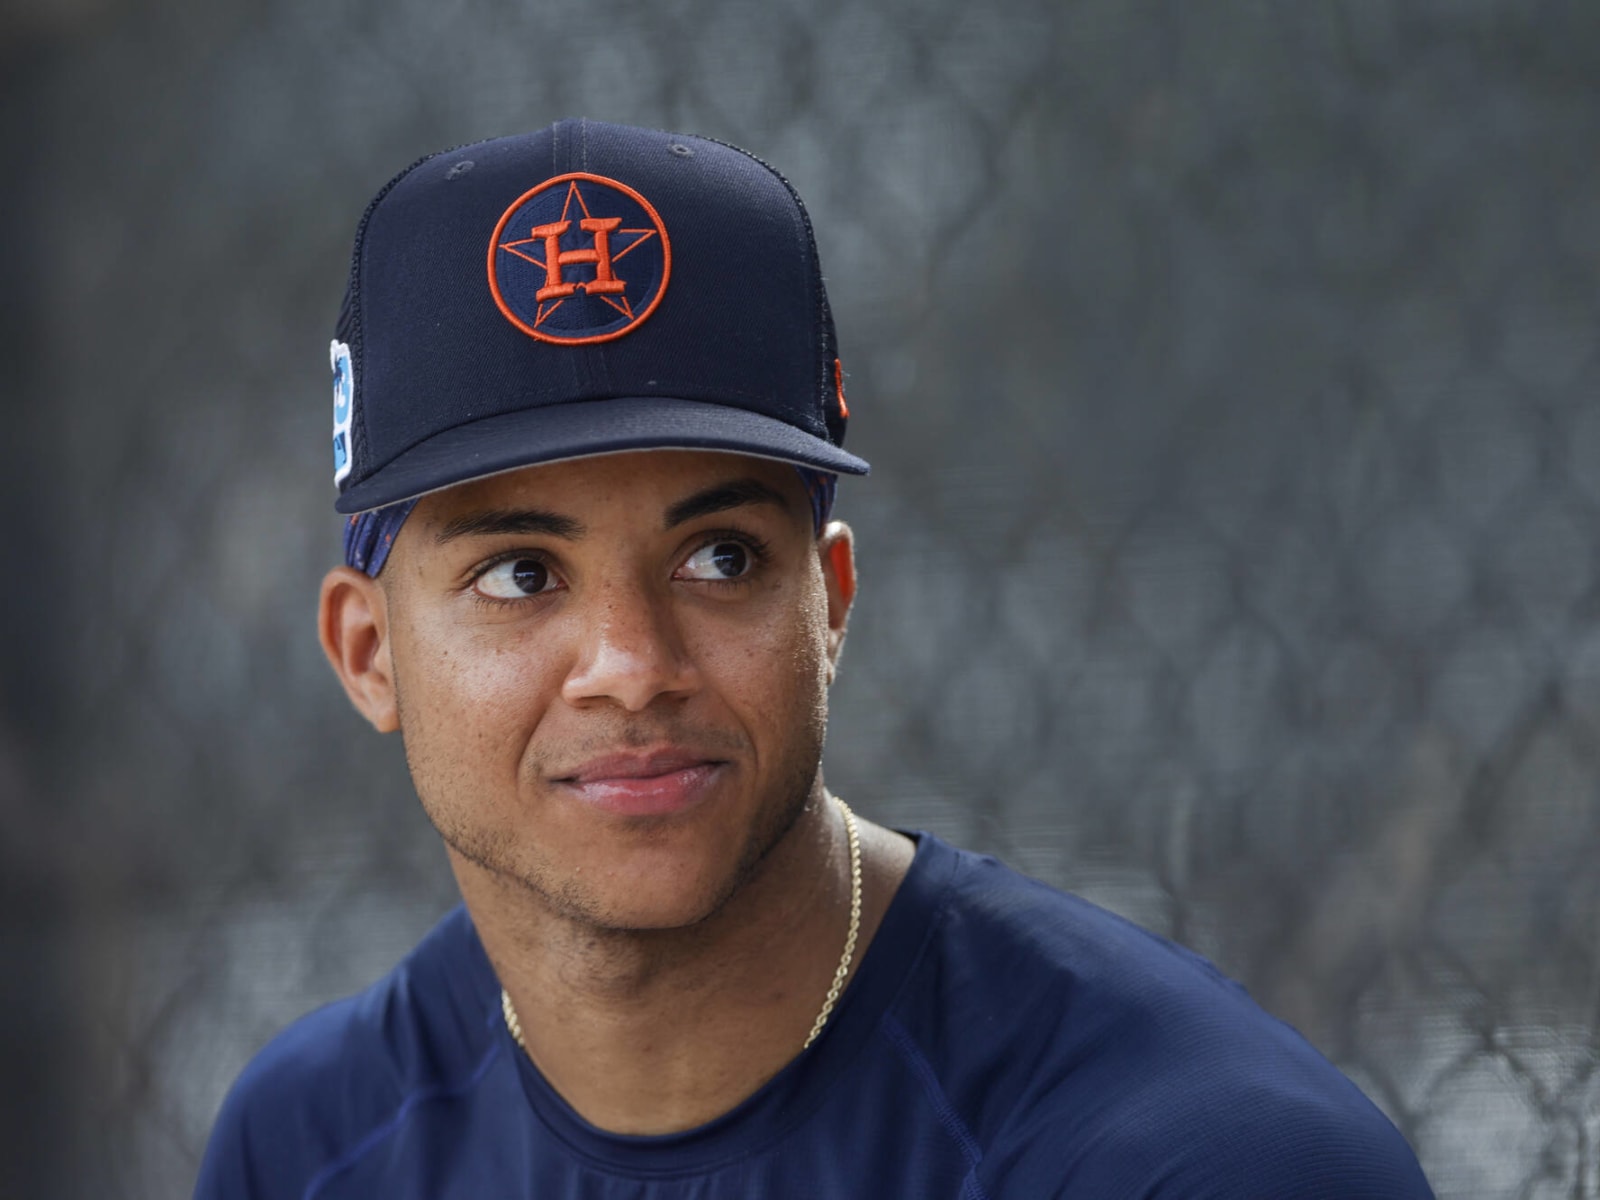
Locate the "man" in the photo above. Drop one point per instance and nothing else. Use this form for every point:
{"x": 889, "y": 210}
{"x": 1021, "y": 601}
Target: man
{"x": 588, "y": 419}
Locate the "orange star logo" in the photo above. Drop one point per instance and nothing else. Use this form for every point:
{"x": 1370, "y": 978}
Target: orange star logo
{"x": 570, "y": 261}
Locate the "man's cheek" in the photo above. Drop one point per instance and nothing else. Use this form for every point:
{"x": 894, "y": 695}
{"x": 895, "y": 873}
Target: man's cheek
{"x": 476, "y": 716}
{"x": 489, "y": 670}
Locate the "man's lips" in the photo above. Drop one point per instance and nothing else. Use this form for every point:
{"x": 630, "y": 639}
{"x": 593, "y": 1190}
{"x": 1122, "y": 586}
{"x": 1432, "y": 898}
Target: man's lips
{"x": 649, "y": 784}
{"x": 637, "y": 766}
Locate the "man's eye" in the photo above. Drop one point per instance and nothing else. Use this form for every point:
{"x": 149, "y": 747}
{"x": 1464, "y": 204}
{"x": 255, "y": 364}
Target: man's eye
{"x": 719, "y": 560}
{"x": 515, "y": 578}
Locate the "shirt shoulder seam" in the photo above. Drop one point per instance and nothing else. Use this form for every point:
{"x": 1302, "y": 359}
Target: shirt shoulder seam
{"x": 903, "y": 1042}
{"x": 408, "y": 1104}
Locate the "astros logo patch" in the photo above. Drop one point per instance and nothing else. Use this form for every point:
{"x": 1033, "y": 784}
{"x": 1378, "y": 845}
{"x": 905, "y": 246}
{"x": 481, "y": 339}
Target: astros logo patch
{"x": 579, "y": 259}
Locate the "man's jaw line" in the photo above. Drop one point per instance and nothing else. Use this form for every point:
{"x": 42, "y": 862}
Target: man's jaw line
{"x": 628, "y": 962}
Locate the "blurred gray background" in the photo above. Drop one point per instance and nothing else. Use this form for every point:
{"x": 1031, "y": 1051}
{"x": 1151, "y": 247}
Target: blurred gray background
{"x": 1229, "y": 372}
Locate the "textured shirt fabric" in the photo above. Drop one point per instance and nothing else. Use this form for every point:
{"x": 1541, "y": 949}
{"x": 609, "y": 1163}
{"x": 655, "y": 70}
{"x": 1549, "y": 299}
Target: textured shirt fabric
{"x": 1000, "y": 1040}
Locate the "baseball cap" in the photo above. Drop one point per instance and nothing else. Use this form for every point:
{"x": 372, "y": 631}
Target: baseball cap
{"x": 585, "y": 289}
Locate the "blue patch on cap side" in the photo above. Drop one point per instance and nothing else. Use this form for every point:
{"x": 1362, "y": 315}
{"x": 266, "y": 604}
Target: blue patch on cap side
{"x": 344, "y": 406}
{"x": 578, "y": 259}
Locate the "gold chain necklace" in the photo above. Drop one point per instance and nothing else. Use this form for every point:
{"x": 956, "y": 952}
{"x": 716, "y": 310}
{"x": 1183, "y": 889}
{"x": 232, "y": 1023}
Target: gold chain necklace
{"x": 845, "y": 959}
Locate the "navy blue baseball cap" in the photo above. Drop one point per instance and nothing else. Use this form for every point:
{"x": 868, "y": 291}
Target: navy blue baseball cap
{"x": 581, "y": 290}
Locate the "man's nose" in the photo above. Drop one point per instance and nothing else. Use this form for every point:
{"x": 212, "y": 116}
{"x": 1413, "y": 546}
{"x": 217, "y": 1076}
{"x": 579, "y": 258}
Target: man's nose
{"x": 632, "y": 652}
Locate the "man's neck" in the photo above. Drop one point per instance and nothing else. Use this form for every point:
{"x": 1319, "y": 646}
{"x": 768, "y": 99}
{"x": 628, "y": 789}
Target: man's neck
{"x": 656, "y": 1031}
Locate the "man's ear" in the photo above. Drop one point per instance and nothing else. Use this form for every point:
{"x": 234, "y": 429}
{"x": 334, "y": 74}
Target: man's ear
{"x": 353, "y": 624}
{"x": 836, "y": 547}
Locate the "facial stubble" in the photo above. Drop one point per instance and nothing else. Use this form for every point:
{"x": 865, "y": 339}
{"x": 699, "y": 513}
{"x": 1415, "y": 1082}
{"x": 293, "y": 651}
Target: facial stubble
{"x": 495, "y": 850}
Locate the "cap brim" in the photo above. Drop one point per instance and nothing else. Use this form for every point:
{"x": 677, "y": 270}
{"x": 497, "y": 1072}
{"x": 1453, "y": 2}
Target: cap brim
{"x": 583, "y": 428}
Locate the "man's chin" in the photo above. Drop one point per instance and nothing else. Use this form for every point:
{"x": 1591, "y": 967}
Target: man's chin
{"x": 675, "y": 875}
{"x": 643, "y": 918}
{"x": 657, "y": 894}
{"x": 641, "y": 896}
{"x": 682, "y": 892}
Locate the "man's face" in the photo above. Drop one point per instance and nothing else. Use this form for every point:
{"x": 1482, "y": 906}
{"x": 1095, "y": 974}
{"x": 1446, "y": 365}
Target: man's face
{"x": 611, "y": 674}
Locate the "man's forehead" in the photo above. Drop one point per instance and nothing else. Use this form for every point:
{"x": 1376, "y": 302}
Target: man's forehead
{"x": 653, "y": 479}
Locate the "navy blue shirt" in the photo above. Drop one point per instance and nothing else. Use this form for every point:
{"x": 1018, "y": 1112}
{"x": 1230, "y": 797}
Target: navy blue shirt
{"x": 1000, "y": 1040}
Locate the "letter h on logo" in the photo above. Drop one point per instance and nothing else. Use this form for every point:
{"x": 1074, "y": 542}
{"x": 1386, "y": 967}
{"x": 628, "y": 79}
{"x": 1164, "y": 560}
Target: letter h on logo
{"x": 603, "y": 283}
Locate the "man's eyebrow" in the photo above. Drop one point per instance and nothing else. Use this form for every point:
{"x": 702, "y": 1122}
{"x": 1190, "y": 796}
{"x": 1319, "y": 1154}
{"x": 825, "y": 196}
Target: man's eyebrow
{"x": 500, "y": 521}
{"x": 723, "y": 496}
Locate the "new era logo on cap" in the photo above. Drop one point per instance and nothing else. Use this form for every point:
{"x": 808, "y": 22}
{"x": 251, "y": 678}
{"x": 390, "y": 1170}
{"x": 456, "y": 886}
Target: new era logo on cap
{"x": 642, "y": 290}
